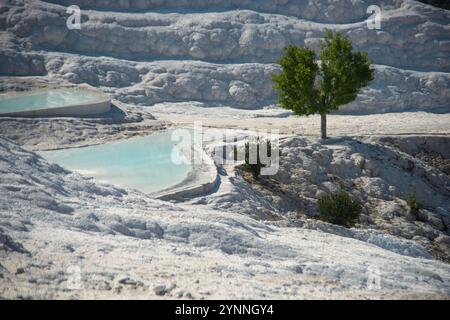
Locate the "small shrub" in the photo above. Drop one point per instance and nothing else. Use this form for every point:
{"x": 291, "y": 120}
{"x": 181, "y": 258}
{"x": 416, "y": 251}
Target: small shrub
{"x": 255, "y": 168}
{"x": 411, "y": 201}
{"x": 339, "y": 208}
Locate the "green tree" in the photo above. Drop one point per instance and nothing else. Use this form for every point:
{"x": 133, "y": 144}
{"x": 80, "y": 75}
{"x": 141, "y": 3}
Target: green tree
{"x": 307, "y": 87}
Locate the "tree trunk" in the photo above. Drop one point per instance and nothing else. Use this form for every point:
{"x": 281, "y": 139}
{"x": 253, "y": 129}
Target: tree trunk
{"x": 323, "y": 125}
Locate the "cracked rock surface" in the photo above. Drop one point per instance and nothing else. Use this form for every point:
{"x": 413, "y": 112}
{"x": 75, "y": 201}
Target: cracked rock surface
{"x": 224, "y": 52}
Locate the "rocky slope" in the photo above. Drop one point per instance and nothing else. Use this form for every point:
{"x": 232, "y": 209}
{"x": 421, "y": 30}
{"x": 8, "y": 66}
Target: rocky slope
{"x": 63, "y": 236}
{"x": 378, "y": 175}
{"x": 224, "y": 51}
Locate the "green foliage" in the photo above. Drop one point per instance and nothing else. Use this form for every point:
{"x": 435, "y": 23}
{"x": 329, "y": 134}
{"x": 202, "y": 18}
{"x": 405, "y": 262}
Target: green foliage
{"x": 344, "y": 72}
{"x": 307, "y": 87}
{"x": 295, "y": 84}
{"x": 255, "y": 168}
{"x": 411, "y": 201}
{"x": 339, "y": 208}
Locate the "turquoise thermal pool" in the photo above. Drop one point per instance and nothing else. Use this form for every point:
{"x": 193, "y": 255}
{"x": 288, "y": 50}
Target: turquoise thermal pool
{"x": 143, "y": 163}
{"x": 48, "y": 102}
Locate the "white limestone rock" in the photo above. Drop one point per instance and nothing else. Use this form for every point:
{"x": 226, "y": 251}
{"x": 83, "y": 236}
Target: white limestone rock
{"x": 409, "y": 50}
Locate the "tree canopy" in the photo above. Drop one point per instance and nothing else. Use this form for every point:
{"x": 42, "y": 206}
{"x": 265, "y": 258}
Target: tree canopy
{"x": 308, "y": 87}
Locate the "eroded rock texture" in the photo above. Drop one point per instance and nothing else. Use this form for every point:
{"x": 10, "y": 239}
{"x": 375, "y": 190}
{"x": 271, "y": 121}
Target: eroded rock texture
{"x": 146, "y": 52}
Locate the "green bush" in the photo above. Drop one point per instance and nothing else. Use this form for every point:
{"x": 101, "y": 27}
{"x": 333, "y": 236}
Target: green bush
{"x": 411, "y": 201}
{"x": 339, "y": 208}
{"x": 255, "y": 168}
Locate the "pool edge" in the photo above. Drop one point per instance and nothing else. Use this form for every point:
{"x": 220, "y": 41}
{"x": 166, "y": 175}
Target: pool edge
{"x": 202, "y": 179}
{"x": 103, "y": 105}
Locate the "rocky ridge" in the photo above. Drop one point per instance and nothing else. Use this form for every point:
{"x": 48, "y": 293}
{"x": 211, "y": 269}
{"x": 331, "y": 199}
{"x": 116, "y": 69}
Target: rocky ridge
{"x": 225, "y": 52}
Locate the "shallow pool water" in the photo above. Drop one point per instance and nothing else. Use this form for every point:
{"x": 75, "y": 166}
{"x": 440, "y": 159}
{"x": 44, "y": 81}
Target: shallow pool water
{"x": 47, "y": 99}
{"x": 143, "y": 163}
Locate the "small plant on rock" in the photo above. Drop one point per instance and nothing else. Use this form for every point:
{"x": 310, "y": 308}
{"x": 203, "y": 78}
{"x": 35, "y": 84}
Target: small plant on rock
{"x": 255, "y": 168}
{"x": 339, "y": 208}
{"x": 412, "y": 203}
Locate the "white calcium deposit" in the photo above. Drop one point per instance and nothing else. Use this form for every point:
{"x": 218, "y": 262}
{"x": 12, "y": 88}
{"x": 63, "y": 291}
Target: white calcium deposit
{"x": 64, "y": 236}
{"x": 146, "y": 52}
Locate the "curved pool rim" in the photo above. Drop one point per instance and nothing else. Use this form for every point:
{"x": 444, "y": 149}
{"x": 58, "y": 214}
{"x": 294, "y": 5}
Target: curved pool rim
{"x": 199, "y": 179}
{"x": 100, "y": 106}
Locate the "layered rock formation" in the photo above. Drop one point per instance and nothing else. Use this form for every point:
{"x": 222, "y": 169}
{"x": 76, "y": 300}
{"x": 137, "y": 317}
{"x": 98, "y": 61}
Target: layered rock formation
{"x": 224, "y": 52}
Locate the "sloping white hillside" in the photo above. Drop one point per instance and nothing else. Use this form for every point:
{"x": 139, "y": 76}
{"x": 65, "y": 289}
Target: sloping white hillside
{"x": 57, "y": 225}
{"x": 64, "y": 236}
